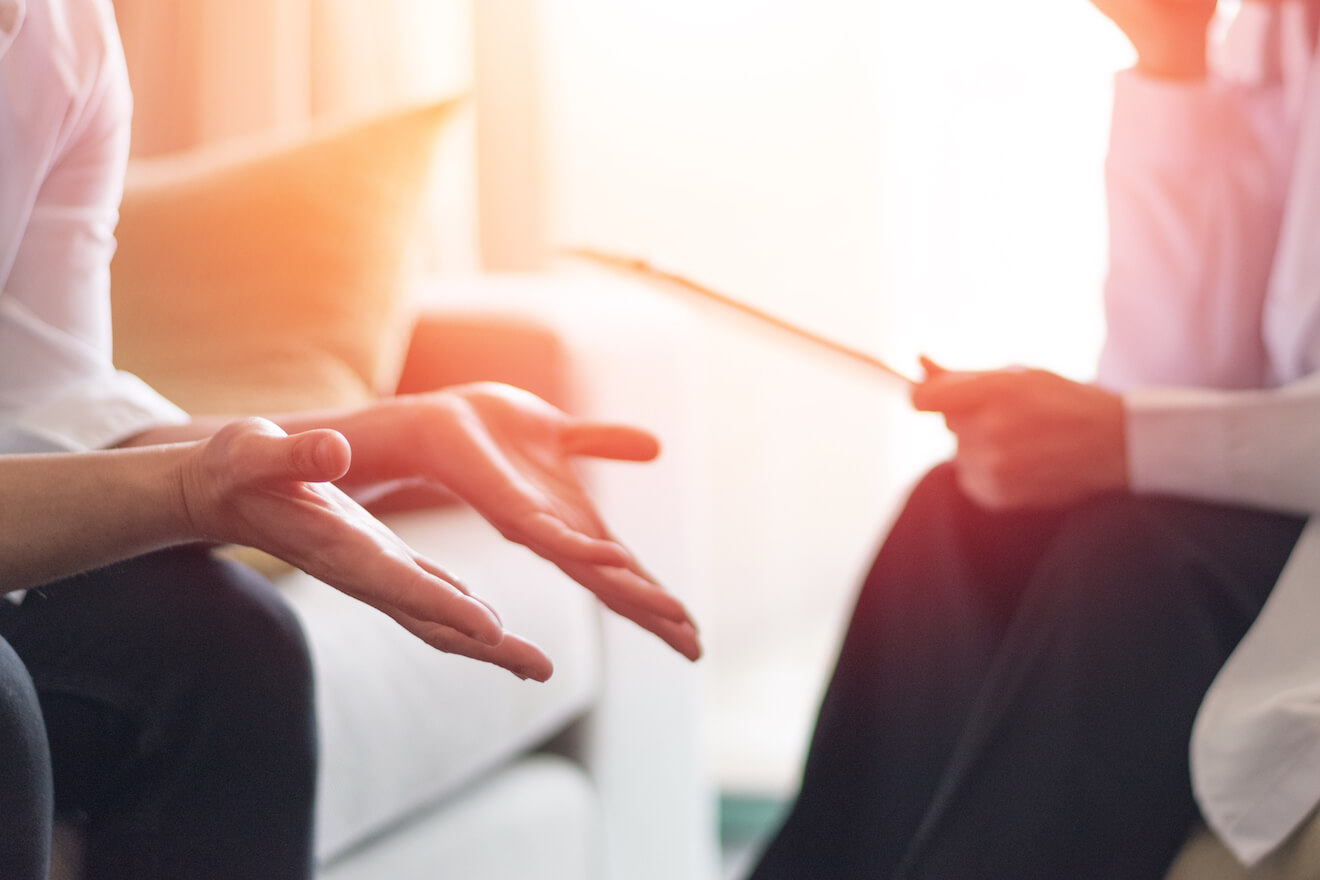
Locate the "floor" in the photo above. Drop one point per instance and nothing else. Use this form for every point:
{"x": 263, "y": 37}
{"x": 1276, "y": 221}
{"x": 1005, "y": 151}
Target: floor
{"x": 745, "y": 821}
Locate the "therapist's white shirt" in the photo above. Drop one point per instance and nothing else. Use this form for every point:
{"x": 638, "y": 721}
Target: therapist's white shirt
{"x": 65, "y": 108}
{"x": 1213, "y": 301}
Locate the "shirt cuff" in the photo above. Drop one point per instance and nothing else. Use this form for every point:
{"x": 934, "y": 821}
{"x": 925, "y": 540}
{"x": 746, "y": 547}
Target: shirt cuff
{"x": 94, "y": 415}
{"x": 1178, "y": 442}
{"x": 1250, "y": 448}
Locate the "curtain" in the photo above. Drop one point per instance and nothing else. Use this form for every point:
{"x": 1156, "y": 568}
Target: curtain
{"x": 207, "y": 70}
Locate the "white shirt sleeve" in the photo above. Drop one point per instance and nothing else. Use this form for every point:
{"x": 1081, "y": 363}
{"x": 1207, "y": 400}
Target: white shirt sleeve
{"x": 1214, "y": 232}
{"x": 1197, "y": 175}
{"x": 1198, "y": 179}
{"x": 60, "y": 188}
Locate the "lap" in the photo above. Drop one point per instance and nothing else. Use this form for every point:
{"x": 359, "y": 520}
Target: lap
{"x": 1116, "y": 553}
{"x": 1082, "y": 721}
{"x": 1002, "y": 667}
{"x": 139, "y": 663}
{"x": 137, "y": 632}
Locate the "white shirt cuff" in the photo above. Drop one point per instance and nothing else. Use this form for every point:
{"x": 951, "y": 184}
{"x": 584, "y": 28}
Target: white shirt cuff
{"x": 1251, "y": 448}
{"x": 1178, "y": 442}
{"x": 93, "y": 415}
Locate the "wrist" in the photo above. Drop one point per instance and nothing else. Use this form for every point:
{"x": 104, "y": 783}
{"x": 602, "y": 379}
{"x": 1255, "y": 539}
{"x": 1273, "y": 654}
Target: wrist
{"x": 1119, "y": 459}
{"x": 1177, "y": 58}
{"x": 392, "y": 441}
{"x": 182, "y": 482}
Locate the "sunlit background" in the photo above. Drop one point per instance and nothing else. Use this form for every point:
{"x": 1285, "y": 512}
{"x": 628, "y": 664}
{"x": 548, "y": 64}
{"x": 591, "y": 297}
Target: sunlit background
{"x": 904, "y": 177}
{"x": 907, "y": 177}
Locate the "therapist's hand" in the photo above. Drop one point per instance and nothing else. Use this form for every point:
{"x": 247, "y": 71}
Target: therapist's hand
{"x": 1028, "y": 438}
{"x": 251, "y": 484}
{"x": 1170, "y": 36}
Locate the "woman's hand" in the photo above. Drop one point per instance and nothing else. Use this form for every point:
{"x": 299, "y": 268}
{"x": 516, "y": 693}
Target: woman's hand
{"x": 1169, "y": 35}
{"x": 1028, "y": 438}
{"x": 509, "y": 455}
{"x": 251, "y": 484}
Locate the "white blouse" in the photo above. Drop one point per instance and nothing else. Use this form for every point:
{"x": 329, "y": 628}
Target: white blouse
{"x": 1213, "y": 301}
{"x": 65, "y": 108}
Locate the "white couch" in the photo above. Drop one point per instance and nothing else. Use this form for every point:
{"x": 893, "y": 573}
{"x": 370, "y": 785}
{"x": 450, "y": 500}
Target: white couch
{"x": 436, "y": 766}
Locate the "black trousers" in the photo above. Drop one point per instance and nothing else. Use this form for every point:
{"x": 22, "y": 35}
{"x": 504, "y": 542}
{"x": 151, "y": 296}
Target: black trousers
{"x": 167, "y": 704}
{"x": 1015, "y": 694}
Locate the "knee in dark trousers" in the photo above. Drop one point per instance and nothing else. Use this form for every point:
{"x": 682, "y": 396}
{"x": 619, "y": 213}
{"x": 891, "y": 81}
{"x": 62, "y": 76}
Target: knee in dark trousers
{"x": 179, "y": 699}
{"x": 1124, "y": 570}
{"x": 1016, "y": 690}
{"x": 26, "y": 796}
{"x": 1074, "y": 761}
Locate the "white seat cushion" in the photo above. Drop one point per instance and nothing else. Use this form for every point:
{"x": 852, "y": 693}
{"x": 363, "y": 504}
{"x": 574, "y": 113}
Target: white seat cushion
{"x": 535, "y": 818}
{"x": 403, "y": 725}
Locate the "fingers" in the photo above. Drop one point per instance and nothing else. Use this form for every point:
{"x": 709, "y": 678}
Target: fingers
{"x": 931, "y": 368}
{"x": 603, "y": 566}
{"x": 391, "y": 579}
{"x": 551, "y": 537}
{"x": 433, "y": 569}
{"x": 948, "y": 391}
{"x": 607, "y": 440}
{"x": 625, "y": 586}
{"x": 682, "y": 637}
{"x": 519, "y": 656}
{"x": 441, "y": 602}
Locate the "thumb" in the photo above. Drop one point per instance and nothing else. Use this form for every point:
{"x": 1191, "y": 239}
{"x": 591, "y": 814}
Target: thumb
{"x": 932, "y": 369}
{"x": 919, "y": 393}
{"x": 317, "y": 456}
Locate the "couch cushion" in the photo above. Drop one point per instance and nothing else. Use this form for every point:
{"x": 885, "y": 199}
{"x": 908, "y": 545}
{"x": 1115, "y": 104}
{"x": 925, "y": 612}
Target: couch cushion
{"x": 537, "y": 817}
{"x": 273, "y": 275}
{"x": 402, "y": 725}
{"x": 1206, "y": 858}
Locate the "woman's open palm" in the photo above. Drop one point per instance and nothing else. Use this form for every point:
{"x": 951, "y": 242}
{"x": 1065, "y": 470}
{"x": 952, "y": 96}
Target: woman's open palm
{"x": 251, "y": 484}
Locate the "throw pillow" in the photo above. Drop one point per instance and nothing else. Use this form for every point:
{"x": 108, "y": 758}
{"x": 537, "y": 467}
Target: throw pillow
{"x": 273, "y": 276}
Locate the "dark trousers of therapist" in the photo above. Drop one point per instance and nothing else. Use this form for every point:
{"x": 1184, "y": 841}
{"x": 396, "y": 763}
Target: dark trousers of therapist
{"x": 1015, "y": 694}
{"x": 166, "y": 703}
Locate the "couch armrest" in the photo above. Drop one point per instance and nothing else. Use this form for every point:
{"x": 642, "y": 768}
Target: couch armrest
{"x": 453, "y": 348}
{"x": 450, "y": 348}
{"x": 629, "y": 356}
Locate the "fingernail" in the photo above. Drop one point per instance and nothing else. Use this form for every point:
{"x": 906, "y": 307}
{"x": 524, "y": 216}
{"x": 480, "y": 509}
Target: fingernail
{"x": 323, "y": 454}
{"x": 487, "y": 635}
{"x": 492, "y": 631}
{"x": 491, "y": 609}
